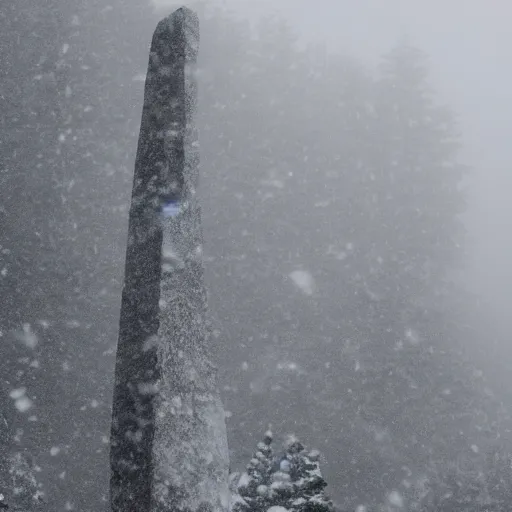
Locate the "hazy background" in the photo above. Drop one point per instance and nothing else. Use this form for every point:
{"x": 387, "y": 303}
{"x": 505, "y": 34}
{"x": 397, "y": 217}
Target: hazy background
{"x": 469, "y": 44}
{"x": 346, "y": 371}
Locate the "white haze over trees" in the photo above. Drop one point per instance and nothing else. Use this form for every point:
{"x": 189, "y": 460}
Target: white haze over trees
{"x": 354, "y": 189}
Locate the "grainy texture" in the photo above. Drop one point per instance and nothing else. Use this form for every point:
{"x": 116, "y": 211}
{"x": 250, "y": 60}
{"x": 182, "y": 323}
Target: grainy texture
{"x": 169, "y": 447}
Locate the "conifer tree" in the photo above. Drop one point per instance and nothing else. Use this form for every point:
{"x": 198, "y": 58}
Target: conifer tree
{"x": 311, "y": 486}
{"x": 306, "y": 479}
{"x": 414, "y": 179}
{"x": 254, "y": 484}
{"x": 296, "y": 483}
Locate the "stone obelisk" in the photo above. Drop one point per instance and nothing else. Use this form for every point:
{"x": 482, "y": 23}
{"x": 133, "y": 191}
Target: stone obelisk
{"x": 168, "y": 437}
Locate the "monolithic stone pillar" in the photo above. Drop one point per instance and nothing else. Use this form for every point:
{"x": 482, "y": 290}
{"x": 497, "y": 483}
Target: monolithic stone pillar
{"x": 168, "y": 439}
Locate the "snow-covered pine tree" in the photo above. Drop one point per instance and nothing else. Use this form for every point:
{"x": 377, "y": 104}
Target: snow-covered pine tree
{"x": 311, "y": 485}
{"x": 298, "y": 484}
{"x": 285, "y": 470}
{"x": 289, "y": 481}
{"x": 254, "y": 485}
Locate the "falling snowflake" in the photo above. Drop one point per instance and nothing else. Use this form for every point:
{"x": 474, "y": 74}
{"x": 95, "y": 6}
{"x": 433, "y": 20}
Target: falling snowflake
{"x": 21, "y": 400}
{"x": 304, "y": 281}
{"x": 395, "y": 499}
{"x": 27, "y": 336}
{"x": 412, "y": 336}
{"x": 288, "y": 366}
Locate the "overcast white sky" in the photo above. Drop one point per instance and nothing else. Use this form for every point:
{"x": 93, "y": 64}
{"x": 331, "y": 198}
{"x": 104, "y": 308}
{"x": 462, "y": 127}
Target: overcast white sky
{"x": 470, "y": 46}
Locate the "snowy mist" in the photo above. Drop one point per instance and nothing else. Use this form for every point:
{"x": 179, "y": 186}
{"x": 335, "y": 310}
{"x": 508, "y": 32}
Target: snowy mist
{"x": 354, "y": 207}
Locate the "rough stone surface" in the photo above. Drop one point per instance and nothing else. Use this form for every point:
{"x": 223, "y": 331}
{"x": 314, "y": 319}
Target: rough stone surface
{"x": 168, "y": 440}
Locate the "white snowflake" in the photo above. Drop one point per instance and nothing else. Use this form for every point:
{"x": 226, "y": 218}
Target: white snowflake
{"x": 23, "y": 404}
{"x": 288, "y": 365}
{"x": 412, "y": 336}
{"x": 396, "y": 499}
{"x": 304, "y": 281}
{"x": 21, "y": 400}
{"x": 27, "y": 336}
